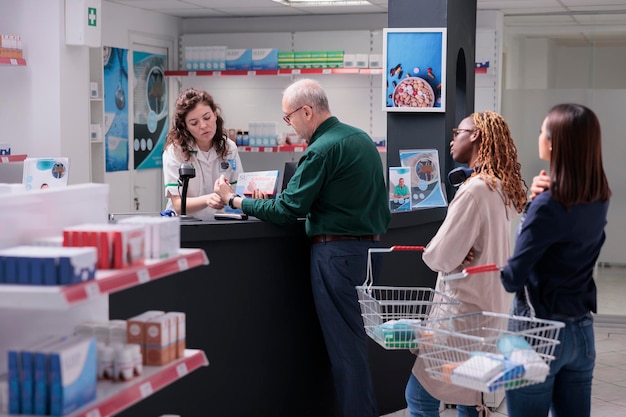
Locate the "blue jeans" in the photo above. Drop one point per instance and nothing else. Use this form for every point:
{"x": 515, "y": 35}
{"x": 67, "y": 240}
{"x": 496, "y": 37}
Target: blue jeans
{"x": 567, "y": 389}
{"x": 336, "y": 269}
{"x": 422, "y": 404}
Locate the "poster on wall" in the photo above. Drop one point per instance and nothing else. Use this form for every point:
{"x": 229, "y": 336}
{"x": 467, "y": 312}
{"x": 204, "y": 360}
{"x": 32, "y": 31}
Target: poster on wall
{"x": 414, "y": 70}
{"x": 425, "y": 177}
{"x": 150, "y": 109}
{"x": 115, "y": 61}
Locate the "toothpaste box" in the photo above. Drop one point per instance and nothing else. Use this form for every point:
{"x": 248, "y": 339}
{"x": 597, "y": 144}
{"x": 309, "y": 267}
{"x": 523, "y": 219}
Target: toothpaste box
{"x": 238, "y": 59}
{"x": 72, "y": 374}
{"x": 286, "y": 59}
{"x": 265, "y": 58}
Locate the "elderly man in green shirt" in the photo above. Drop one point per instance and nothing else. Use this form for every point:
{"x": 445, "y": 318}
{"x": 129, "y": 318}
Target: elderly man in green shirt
{"x": 339, "y": 187}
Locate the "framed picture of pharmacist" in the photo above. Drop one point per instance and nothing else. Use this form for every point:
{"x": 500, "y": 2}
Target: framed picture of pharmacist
{"x": 414, "y": 69}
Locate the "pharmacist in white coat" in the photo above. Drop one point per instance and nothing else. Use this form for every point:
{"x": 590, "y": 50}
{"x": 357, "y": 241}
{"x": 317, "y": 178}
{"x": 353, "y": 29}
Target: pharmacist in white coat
{"x": 197, "y": 136}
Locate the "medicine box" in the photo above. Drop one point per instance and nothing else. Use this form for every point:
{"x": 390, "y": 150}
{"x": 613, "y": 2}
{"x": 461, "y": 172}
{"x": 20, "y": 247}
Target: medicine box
{"x": 72, "y": 374}
{"x": 136, "y": 329}
{"x": 177, "y": 334}
{"x": 157, "y": 337}
{"x": 45, "y": 173}
{"x": 265, "y": 59}
{"x": 238, "y": 59}
{"x": 162, "y": 234}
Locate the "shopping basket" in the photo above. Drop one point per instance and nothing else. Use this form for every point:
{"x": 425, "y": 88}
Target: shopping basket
{"x": 488, "y": 351}
{"x": 390, "y": 313}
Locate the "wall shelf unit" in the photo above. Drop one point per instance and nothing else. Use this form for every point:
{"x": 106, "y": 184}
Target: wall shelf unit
{"x": 286, "y": 71}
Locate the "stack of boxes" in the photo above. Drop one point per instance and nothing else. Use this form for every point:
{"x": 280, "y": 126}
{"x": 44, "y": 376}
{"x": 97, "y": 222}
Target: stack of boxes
{"x": 11, "y": 46}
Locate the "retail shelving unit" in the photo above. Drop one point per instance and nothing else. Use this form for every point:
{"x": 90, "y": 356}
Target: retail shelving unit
{"x": 30, "y": 312}
{"x": 284, "y": 71}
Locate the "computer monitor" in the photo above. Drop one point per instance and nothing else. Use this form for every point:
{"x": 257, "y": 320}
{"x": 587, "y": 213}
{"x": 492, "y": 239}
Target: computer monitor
{"x": 288, "y": 171}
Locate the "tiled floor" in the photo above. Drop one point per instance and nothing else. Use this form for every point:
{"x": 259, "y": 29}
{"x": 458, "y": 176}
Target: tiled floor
{"x": 609, "y": 382}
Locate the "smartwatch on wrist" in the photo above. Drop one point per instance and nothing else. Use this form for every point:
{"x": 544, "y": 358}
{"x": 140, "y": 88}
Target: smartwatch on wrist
{"x": 231, "y": 200}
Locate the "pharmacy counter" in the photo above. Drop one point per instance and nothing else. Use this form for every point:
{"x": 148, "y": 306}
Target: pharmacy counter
{"x": 251, "y": 311}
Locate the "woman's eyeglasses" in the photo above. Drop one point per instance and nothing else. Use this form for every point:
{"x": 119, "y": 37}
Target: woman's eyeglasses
{"x": 287, "y": 118}
{"x": 456, "y": 131}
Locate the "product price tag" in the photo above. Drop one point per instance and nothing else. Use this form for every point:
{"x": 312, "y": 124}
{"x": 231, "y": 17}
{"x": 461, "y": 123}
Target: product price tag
{"x": 93, "y": 413}
{"x": 268, "y": 149}
{"x": 298, "y": 149}
{"x": 13, "y": 61}
{"x": 251, "y": 72}
{"x": 92, "y": 290}
{"x": 295, "y": 71}
{"x": 146, "y": 389}
{"x": 182, "y": 370}
{"x": 183, "y": 265}
{"x": 4, "y": 159}
{"x": 327, "y": 71}
{"x": 254, "y": 149}
{"x": 143, "y": 276}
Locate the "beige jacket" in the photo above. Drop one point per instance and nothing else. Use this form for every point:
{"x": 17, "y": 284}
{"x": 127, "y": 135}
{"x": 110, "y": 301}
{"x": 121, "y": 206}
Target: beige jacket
{"x": 477, "y": 219}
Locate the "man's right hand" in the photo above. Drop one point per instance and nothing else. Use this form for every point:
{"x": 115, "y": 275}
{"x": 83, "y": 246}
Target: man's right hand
{"x": 540, "y": 183}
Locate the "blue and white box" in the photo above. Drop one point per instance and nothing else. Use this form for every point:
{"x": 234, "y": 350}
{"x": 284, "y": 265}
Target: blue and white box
{"x": 72, "y": 374}
{"x": 5, "y": 148}
{"x": 238, "y": 59}
{"x": 265, "y": 59}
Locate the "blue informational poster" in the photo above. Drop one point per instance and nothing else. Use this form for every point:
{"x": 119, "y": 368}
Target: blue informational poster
{"x": 425, "y": 174}
{"x": 399, "y": 188}
{"x": 150, "y": 109}
{"x": 115, "y": 61}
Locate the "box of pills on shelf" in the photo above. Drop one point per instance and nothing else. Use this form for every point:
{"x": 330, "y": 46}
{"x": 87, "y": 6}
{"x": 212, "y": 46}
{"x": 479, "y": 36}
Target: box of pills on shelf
{"x": 375, "y": 60}
{"x": 238, "y": 59}
{"x": 362, "y": 60}
{"x": 178, "y": 333}
{"x": 136, "y": 329}
{"x": 334, "y": 59}
{"x": 318, "y": 59}
{"x": 162, "y": 234}
{"x": 265, "y": 58}
{"x": 302, "y": 59}
{"x": 158, "y": 342}
{"x": 349, "y": 60}
{"x": 73, "y": 374}
{"x": 5, "y": 148}
{"x": 286, "y": 59}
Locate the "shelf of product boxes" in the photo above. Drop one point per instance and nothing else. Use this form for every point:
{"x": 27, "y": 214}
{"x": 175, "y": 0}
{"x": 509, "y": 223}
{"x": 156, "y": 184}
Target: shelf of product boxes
{"x": 282, "y": 148}
{"x": 106, "y": 282}
{"x": 12, "y": 61}
{"x": 11, "y": 158}
{"x": 114, "y": 397}
{"x": 283, "y": 71}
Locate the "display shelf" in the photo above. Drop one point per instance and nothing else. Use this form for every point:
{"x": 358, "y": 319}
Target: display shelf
{"x": 283, "y": 148}
{"x": 114, "y": 397}
{"x": 12, "y": 158}
{"x": 38, "y": 297}
{"x": 13, "y": 61}
{"x": 283, "y": 71}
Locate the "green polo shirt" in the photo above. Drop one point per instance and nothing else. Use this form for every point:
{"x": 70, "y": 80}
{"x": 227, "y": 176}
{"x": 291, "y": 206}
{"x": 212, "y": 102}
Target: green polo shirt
{"x": 339, "y": 186}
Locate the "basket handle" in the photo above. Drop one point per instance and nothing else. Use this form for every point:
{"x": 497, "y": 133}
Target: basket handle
{"x": 471, "y": 270}
{"x": 369, "y": 279}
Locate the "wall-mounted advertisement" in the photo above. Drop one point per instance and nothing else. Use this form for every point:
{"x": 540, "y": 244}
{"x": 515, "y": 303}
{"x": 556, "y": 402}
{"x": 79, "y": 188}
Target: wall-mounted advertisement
{"x": 414, "y": 69}
{"x": 115, "y": 108}
{"x": 150, "y": 109}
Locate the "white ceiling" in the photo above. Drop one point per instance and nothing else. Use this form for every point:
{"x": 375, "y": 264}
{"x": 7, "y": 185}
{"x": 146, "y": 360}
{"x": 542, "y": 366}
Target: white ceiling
{"x": 574, "y": 20}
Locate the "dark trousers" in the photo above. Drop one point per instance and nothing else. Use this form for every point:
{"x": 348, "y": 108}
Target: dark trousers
{"x": 336, "y": 268}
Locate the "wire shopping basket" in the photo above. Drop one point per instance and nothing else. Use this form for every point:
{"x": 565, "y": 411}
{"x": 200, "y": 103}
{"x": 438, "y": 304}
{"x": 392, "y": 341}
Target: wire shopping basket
{"x": 488, "y": 351}
{"x": 390, "y": 313}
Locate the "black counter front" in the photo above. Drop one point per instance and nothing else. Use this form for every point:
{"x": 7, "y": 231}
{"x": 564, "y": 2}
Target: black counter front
{"x": 251, "y": 311}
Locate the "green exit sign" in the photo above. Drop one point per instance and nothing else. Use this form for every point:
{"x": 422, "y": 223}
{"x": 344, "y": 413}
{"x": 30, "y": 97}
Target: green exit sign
{"x": 92, "y": 17}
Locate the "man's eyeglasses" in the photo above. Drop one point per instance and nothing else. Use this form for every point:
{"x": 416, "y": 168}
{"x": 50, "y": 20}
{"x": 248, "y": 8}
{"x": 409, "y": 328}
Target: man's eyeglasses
{"x": 287, "y": 118}
{"x": 455, "y": 131}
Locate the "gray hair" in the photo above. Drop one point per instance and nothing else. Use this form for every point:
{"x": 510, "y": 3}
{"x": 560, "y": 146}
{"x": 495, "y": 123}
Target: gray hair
{"x": 307, "y": 92}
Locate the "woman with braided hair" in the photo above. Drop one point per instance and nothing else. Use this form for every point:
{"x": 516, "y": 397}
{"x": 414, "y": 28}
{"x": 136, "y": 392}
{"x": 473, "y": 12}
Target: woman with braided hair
{"x": 197, "y": 136}
{"x": 476, "y": 231}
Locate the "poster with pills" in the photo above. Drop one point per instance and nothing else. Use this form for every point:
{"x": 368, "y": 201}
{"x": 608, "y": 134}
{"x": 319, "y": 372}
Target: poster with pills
{"x": 414, "y": 66}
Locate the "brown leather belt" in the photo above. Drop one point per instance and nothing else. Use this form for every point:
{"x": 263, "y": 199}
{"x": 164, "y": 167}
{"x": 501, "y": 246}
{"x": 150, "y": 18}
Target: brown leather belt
{"x": 334, "y": 238}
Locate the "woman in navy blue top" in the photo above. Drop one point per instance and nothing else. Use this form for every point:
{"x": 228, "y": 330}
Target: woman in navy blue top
{"x": 557, "y": 246}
